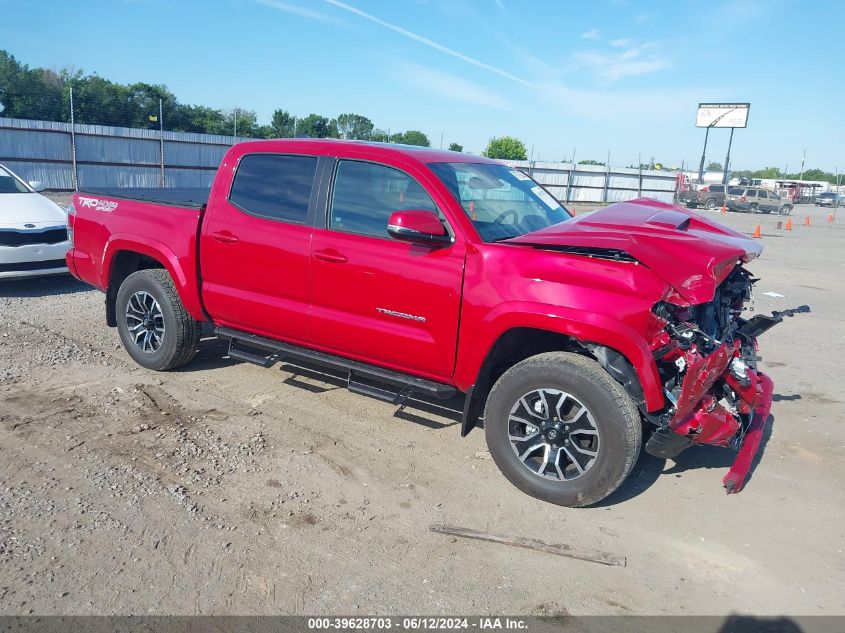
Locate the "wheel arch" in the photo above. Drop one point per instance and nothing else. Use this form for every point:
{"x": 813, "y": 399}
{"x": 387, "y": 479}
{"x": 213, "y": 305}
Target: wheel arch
{"x": 123, "y": 257}
{"x": 628, "y": 363}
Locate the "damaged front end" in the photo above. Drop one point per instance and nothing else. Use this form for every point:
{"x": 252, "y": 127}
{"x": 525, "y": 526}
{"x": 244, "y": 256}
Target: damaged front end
{"x": 706, "y": 355}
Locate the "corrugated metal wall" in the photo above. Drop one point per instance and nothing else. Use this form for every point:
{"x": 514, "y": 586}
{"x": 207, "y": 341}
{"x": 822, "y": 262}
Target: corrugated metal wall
{"x": 129, "y": 157}
{"x": 109, "y": 156}
{"x": 595, "y": 183}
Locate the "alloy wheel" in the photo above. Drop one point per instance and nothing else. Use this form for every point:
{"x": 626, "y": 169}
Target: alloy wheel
{"x": 145, "y": 321}
{"x": 553, "y": 434}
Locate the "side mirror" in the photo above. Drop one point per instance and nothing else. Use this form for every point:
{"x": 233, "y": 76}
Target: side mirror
{"x": 37, "y": 185}
{"x": 418, "y": 226}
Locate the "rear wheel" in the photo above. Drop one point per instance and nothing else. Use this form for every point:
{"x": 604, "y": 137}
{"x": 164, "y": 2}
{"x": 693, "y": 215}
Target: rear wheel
{"x": 786, "y": 210}
{"x": 752, "y": 208}
{"x": 561, "y": 429}
{"x": 710, "y": 204}
{"x": 153, "y": 324}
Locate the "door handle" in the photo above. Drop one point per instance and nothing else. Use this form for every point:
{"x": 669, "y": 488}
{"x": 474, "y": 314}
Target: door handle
{"x": 225, "y": 236}
{"x": 330, "y": 255}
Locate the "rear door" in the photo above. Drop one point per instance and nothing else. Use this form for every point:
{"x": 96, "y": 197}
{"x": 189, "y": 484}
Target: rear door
{"x": 378, "y": 299}
{"x": 255, "y": 248}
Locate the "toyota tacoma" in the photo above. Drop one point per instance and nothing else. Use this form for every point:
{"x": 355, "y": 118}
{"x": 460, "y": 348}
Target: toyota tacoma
{"x": 429, "y": 273}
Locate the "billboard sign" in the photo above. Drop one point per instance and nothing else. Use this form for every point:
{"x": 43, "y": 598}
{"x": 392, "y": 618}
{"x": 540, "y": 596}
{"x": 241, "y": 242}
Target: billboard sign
{"x": 722, "y": 115}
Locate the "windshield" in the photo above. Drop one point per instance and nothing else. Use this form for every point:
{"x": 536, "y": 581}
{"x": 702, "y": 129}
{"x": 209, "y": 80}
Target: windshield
{"x": 501, "y": 202}
{"x": 10, "y": 184}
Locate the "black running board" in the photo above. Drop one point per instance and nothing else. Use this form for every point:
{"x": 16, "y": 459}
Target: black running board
{"x": 266, "y": 352}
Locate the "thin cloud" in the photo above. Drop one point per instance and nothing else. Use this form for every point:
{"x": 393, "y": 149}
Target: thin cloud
{"x": 611, "y": 65}
{"x": 427, "y": 42}
{"x": 620, "y": 43}
{"x": 450, "y": 86}
{"x": 302, "y": 12}
{"x": 592, "y": 34}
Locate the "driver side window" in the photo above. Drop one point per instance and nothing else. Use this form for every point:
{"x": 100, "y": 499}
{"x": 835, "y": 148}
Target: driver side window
{"x": 366, "y": 194}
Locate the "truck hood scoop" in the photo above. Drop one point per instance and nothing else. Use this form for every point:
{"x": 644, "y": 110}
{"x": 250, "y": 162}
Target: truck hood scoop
{"x": 691, "y": 252}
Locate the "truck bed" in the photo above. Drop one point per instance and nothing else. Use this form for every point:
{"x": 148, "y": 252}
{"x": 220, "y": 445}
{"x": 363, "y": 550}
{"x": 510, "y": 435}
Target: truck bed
{"x": 193, "y": 197}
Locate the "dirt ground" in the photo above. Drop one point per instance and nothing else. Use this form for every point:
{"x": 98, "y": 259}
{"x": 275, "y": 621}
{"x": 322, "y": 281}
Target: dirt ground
{"x": 224, "y": 488}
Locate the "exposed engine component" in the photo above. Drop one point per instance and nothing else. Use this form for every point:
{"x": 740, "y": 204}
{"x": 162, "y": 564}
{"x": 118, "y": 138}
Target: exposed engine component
{"x": 706, "y": 355}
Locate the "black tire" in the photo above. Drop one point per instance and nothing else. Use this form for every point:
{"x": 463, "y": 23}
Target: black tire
{"x": 710, "y": 204}
{"x": 181, "y": 332}
{"x": 613, "y": 415}
{"x": 786, "y": 209}
{"x": 752, "y": 208}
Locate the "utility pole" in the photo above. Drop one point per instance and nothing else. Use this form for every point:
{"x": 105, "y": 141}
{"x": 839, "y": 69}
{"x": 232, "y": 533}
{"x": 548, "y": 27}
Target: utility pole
{"x": 235, "y": 133}
{"x": 640, "y": 179}
{"x": 74, "y": 173}
{"x": 161, "y": 138}
{"x": 441, "y": 140}
{"x": 803, "y": 156}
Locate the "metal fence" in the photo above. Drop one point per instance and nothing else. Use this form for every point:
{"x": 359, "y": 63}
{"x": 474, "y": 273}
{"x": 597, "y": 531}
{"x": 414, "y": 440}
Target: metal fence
{"x": 66, "y": 157}
{"x": 570, "y": 182}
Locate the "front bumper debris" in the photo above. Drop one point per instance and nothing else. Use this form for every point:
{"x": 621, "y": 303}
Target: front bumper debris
{"x": 734, "y": 481}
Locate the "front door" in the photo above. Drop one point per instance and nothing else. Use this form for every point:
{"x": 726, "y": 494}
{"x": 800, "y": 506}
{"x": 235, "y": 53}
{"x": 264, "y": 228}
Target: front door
{"x": 377, "y": 299}
{"x": 255, "y": 248}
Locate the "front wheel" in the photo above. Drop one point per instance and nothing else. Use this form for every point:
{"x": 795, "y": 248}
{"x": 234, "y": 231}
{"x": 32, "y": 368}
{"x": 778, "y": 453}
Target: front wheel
{"x": 710, "y": 204}
{"x": 752, "y": 208}
{"x": 786, "y": 210}
{"x": 153, "y": 324}
{"x": 561, "y": 429}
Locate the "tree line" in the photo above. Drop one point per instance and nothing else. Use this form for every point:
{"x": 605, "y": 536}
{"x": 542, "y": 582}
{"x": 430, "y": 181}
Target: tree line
{"x": 44, "y": 94}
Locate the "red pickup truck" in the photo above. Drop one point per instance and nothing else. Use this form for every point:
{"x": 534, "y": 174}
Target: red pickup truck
{"x": 428, "y": 273}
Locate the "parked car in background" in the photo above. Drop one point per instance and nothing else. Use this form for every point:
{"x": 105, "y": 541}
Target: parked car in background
{"x": 709, "y": 197}
{"x": 757, "y": 200}
{"x": 33, "y": 230}
{"x": 830, "y": 199}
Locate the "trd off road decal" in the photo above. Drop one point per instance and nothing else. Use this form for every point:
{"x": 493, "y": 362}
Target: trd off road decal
{"x": 107, "y": 206}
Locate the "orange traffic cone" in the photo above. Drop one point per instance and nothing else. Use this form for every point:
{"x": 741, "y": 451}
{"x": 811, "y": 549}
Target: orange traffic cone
{"x": 573, "y": 212}
{"x": 757, "y": 232}
{"x": 807, "y": 221}
{"x": 789, "y": 224}
{"x": 830, "y": 217}
{"x": 724, "y": 209}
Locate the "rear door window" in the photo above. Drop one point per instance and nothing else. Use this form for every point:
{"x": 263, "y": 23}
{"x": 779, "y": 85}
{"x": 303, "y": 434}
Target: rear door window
{"x": 274, "y": 186}
{"x": 762, "y": 194}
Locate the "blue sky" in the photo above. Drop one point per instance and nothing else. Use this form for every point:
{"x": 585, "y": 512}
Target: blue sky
{"x": 582, "y": 75}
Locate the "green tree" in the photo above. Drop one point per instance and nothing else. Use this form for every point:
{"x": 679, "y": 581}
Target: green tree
{"x": 455, "y": 147}
{"x": 27, "y": 93}
{"x": 411, "y": 137}
{"x": 714, "y": 166}
{"x": 317, "y": 126}
{"x": 354, "y": 126}
{"x": 507, "y": 148}
{"x": 202, "y": 119}
{"x": 768, "y": 172}
{"x": 380, "y": 135}
{"x": 590, "y": 161}
{"x": 283, "y": 124}
{"x": 244, "y": 122}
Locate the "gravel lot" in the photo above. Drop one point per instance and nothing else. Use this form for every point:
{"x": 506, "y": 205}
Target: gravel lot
{"x": 224, "y": 488}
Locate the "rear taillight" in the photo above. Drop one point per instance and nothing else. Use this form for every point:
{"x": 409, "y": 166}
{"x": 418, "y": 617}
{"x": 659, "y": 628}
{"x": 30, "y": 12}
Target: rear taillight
{"x": 71, "y": 219}
{"x": 705, "y": 189}
{"x": 743, "y": 199}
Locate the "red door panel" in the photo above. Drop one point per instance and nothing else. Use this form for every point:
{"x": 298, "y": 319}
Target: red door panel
{"x": 387, "y": 302}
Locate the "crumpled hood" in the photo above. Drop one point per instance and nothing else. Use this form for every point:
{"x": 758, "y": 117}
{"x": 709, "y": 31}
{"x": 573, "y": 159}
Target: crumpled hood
{"x": 688, "y": 250}
{"x": 19, "y": 209}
